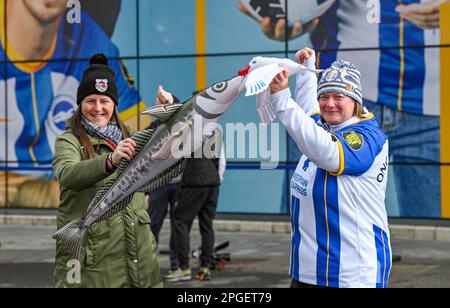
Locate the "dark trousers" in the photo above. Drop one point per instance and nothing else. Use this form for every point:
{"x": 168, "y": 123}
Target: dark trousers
{"x": 301, "y": 285}
{"x": 162, "y": 201}
{"x": 201, "y": 202}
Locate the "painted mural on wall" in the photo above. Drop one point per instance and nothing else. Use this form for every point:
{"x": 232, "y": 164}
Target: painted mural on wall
{"x": 401, "y": 85}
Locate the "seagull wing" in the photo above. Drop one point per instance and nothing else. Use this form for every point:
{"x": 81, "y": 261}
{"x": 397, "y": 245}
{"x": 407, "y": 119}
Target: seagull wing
{"x": 259, "y": 79}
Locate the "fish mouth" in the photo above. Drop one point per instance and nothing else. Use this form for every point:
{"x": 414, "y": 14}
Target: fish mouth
{"x": 204, "y": 114}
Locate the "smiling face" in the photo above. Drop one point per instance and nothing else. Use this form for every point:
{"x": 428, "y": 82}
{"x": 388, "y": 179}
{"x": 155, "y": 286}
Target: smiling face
{"x": 336, "y": 108}
{"x": 98, "y": 109}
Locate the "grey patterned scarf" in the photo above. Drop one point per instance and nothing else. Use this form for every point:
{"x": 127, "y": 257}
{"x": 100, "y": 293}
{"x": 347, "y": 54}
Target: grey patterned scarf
{"x": 111, "y": 132}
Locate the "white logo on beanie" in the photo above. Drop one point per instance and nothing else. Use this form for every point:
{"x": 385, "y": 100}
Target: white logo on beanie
{"x": 101, "y": 85}
{"x": 332, "y": 75}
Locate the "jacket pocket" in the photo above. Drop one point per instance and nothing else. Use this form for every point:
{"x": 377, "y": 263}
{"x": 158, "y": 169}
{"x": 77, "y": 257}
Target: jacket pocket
{"x": 145, "y": 232}
{"x": 97, "y": 240}
{"x": 142, "y": 216}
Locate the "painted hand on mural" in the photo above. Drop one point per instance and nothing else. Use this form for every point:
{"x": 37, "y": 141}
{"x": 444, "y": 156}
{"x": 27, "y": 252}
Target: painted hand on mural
{"x": 277, "y": 30}
{"x": 303, "y": 55}
{"x": 423, "y": 15}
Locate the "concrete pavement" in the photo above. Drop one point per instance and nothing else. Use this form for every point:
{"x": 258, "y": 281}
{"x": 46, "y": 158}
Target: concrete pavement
{"x": 258, "y": 260}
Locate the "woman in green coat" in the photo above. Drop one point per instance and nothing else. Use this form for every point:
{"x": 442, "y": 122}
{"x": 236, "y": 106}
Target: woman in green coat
{"x": 121, "y": 251}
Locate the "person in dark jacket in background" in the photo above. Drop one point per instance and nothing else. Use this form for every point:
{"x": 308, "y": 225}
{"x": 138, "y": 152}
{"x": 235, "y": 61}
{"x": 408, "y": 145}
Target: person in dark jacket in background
{"x": 199, "y": 194}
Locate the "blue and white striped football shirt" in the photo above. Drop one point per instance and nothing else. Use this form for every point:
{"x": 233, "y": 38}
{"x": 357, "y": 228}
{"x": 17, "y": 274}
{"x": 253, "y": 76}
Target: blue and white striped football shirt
{"x": 340, "y": 235}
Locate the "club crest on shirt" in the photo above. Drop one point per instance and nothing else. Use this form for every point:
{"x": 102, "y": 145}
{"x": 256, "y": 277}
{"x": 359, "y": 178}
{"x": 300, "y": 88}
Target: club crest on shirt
{"x": 101, "y": 85}
{"x": 354, "y": 140}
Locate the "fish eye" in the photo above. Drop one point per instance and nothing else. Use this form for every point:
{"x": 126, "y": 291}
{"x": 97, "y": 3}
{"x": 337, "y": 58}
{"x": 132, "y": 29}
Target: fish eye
{"x": 220, "y": 87}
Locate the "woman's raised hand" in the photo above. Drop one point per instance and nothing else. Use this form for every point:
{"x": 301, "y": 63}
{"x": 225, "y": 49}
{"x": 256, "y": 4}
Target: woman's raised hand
{"x": 280, "y": 82}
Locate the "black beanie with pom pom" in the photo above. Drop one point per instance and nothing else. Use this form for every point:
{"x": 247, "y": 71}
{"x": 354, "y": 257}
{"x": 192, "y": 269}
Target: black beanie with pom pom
{"x": 98, "y": 78}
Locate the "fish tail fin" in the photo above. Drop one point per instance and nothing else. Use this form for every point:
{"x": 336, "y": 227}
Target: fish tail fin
{"x": 73, "y": 236}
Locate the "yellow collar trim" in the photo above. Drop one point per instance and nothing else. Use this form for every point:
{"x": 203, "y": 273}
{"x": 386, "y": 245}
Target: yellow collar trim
{"x": 370, "y": 116}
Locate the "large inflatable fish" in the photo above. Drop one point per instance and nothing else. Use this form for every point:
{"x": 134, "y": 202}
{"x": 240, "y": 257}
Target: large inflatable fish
{"x": 157, "y": 160}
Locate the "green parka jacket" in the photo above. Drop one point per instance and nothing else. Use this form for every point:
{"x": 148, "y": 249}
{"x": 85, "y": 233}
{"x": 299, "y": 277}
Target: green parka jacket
{"x": 121, "y": 251}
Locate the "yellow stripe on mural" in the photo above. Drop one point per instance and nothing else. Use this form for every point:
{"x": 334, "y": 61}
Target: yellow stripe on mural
{"x": 445, "y": 109}
{"x": 36, "y": 119}
{"x": 200, "y": 42}
{"x": 2, "y": 24}
{"x": 132, "y": 112}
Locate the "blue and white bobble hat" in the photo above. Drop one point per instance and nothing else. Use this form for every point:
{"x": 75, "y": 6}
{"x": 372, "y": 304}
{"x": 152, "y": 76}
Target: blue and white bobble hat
{"x": 342, "y": 77}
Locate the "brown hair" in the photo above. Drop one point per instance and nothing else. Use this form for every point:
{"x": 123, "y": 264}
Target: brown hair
{"x": 80, "y": 133}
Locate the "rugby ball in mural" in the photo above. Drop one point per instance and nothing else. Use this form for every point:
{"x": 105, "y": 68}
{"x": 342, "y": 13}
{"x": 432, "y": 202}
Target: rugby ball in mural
{"x": 303, "y": 10}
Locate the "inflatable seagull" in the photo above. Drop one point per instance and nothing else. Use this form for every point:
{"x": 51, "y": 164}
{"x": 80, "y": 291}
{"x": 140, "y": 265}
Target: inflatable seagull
{"x": 260, "y": 73}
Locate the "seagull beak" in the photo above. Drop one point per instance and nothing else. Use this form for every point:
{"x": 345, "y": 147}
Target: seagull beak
{"x": 244, "y": 71}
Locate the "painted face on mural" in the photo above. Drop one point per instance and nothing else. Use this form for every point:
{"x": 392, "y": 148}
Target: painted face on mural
{"x": 46, "y": 11}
